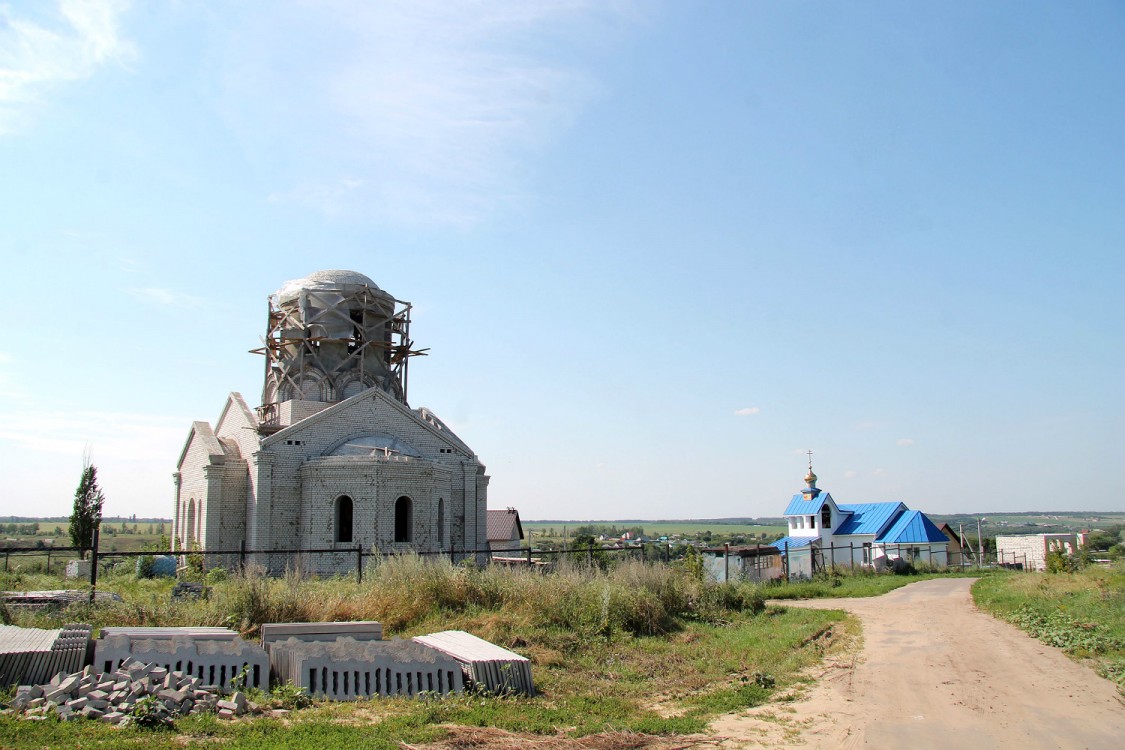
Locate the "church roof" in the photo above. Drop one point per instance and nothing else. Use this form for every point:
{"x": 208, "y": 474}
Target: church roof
{"x": 912, "y": 527}
{"x": 869, "y": 518}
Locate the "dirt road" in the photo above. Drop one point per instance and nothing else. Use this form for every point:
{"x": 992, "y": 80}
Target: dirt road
{"x": 935, "y": 672}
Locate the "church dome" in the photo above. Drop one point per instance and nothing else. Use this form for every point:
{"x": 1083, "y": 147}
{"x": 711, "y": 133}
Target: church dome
{"x": 336, "y": 280}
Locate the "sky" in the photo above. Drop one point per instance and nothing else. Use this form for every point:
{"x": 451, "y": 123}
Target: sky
{"x": 656, "y": 250}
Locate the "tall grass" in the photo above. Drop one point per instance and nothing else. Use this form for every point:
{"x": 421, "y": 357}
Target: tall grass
{"x": 407, "y": 592}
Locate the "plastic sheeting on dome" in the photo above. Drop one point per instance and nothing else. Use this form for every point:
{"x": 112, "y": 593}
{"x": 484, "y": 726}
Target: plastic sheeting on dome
{"x": 376, "y": 445}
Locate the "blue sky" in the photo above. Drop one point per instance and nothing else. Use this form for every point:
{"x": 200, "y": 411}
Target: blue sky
{"x": 657, "y": 250}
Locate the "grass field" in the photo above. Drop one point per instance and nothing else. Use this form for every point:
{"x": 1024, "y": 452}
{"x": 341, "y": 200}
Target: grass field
{"x": 638, "y": 649}
{"x": 1082, "y": 613}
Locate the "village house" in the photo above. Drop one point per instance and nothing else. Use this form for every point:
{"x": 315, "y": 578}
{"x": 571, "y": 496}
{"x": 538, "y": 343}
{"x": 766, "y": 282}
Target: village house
{"x": 1031, "y": 550}
{"x": 743, "y": 562}
{"x": 505, "y": 532}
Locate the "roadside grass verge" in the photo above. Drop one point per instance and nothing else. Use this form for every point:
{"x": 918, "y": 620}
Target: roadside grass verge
{"x": 646, "y": 649}
{"x": 842, "y": 582}
{"x": 1083, "y": 613}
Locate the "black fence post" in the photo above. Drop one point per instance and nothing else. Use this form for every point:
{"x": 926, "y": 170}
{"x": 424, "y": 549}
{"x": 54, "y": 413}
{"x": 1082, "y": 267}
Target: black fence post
{"x": 242, "y": 556}
{"x": 359, "y": 563}
{"x": 94, "y": 563}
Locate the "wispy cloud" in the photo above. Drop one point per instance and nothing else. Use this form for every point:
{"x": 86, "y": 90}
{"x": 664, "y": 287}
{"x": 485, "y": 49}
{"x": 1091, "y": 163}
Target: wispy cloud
{"x": 120, "y": 436}
{"x": 9, "y": 389}
{"x": 166, "y": 297}
{"x": 69, "y": 43}
{"x": 849, "y": 474}
{"x": 419, "y": 112}
{"x": 747, "y": 411}
{"x": 879, "y": 472}
{"x": 904, "y": 442}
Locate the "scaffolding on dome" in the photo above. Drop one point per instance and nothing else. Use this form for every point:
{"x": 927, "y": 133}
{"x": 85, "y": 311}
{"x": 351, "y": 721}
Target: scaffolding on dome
{"x": 331, "y": 336}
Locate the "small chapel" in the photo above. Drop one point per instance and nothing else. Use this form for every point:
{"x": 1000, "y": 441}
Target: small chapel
{"x": 824, "y": 534}
{"x": 334, "y": 457}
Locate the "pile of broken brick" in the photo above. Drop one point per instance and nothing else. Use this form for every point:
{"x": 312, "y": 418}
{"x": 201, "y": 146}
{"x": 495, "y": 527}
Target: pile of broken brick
{"x": 112, "y": 696}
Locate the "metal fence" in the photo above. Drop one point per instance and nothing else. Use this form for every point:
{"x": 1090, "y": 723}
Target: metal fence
{"x": 358, "y": 558}
{"x": 823, "y": 559}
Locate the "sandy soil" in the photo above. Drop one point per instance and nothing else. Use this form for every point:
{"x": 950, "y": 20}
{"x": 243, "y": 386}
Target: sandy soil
{"x": 934, "y": 671}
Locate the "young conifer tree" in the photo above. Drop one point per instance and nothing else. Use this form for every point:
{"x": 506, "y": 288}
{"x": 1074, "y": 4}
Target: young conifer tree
{"x": 87, "y": 513}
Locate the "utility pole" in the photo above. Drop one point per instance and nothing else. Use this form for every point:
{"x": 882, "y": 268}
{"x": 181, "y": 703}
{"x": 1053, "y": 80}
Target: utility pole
{"x": 980, "y": 543}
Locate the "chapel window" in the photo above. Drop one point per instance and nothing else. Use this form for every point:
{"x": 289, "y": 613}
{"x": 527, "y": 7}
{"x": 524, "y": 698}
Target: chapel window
{"x": 826, "y": 517}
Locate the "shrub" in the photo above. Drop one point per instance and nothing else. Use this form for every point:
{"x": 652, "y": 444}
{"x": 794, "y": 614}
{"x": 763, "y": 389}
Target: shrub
{"x": 151, "y": 713}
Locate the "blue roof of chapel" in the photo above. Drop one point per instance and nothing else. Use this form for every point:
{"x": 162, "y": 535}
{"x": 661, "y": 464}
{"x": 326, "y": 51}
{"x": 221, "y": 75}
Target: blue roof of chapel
{"x": 804, "y": 504}
{"x": 869, "y": 518}
{"x": 912, "y": 527}
{"x": 795, "y": 542}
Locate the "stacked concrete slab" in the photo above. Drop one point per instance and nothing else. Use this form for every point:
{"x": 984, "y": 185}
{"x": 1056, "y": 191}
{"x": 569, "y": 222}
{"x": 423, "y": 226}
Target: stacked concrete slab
{"x": 111, "y": 696}
{"x": 346, "y": 668}
{"x": 215, "y": 656}
{"x": 494, "y": 669}
{"x": 33, "y": 655}
{"x": 360, "y": 630}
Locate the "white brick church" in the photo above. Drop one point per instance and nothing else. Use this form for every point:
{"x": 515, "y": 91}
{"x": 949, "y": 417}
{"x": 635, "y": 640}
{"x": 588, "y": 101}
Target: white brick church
{"x": 334, "y": 457}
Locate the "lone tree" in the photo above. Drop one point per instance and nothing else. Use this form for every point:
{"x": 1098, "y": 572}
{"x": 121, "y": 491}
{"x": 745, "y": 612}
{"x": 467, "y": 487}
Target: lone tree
{"x": 87, "y": 513}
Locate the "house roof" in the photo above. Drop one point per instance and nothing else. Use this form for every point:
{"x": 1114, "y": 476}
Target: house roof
{"x": 804, "y": 504}
{"x": 912, "y": 527}
{"x": 795, "y": 542}
{"x": 746, "y": 550}
{"x": 504, "y": 525}
{"x": 949, "y": 532}
{"x": 869, "y": 518}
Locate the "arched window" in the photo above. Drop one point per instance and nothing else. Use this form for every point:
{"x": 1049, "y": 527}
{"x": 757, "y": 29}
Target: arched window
{"x": 826, "y": 517}
{"x": 441, "y": 522}
{"x": 404, "y": 519}
{"x": 189, "y": 535}
{"x": 343, "y": 519}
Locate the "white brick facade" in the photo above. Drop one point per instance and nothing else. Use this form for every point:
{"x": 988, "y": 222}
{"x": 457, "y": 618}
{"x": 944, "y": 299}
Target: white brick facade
{"x": 284, "y": 492}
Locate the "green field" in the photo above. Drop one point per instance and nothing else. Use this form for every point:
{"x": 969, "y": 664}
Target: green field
{"x": 117, "y": 535}
{"x": 1030, "y": 523}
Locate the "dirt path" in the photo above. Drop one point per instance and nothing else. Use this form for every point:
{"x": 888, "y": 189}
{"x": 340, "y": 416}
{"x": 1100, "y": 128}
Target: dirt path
{"x": 935, "y": 672}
